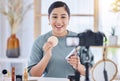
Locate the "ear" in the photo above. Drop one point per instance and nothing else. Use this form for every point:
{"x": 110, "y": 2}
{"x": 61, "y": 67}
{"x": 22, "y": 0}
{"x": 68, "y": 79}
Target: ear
{"x": 49, "y": 20}
{"x": 68, "y": 17}
{"x": 68, "y": 20}
{"x": 48, "y": 17}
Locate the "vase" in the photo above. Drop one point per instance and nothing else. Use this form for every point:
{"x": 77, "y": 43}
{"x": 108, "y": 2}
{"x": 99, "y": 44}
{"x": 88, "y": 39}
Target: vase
{"x": 13, "y": 47}
{"x": 113, "y": 40}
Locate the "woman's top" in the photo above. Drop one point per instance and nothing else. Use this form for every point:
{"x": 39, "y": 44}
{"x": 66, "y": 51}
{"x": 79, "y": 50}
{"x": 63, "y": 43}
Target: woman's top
{"x": 57, "y": 66}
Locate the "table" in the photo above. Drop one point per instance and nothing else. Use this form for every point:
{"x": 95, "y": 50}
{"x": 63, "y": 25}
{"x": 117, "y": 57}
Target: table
{"x": 47, "y": 79}
{"x": 54, "y": 79}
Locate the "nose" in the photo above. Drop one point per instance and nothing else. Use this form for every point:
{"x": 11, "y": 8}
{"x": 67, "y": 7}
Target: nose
{"x": 59, "y": 21}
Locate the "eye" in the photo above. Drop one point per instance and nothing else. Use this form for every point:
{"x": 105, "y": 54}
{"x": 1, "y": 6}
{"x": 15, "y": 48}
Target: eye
{"x": 54, "y": 16}
{"x": 63, "y": 17}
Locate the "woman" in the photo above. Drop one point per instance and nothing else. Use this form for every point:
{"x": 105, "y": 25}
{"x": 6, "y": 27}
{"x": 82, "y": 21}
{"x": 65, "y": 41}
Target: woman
{"x": 48, "y": 60}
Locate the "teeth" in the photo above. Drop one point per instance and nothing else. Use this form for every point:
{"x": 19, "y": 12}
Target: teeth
{"x": 58, "y": 26}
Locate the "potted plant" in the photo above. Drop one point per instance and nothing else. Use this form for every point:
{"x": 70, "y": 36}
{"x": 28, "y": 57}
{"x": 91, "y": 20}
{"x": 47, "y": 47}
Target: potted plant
{"x": 113, "y": 39}
{"x": 14, "y": 10}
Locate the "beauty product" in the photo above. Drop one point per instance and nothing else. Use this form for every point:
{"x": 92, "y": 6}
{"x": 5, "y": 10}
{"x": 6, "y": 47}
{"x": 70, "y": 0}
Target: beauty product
{"x": 18, "y": 77}
{"x": 13, "y": 73}
{"x": 5, "y": 75}
{"x": 25, "y": 75}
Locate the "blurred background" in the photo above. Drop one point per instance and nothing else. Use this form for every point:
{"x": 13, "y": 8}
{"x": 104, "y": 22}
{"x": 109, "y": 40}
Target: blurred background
{"x": 97, "y": 15}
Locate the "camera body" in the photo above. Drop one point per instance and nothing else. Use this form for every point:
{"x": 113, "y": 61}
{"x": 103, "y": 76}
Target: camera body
{"x": 87, "y": 38}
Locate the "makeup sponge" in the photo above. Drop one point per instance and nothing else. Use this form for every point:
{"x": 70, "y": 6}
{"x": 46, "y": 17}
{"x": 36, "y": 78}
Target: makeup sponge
{"x": 54, "y": 40}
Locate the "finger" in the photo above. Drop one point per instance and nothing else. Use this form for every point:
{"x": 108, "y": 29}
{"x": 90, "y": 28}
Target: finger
{"x": 74, "y": 57}
{"x": 47, "y": 46}
{"x": 74, "y": 65}
{"x": 72, "y": 61}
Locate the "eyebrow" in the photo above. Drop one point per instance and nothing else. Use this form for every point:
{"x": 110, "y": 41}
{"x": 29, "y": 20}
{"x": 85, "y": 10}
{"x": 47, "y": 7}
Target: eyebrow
{"x": 56, "y": 14}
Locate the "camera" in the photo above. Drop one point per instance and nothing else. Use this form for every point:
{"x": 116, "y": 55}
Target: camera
{"x": 87, "y": 38}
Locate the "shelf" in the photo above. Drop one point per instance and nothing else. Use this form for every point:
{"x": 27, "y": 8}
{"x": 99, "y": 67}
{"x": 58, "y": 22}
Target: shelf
{"x": 14, "y": 60}
{"x": 107, "y": 46}
{"x": 113, "y": 46}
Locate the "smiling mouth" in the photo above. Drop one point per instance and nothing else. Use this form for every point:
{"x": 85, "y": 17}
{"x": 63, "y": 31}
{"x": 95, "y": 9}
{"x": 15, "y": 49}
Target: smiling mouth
{"x": 59, "y": 27}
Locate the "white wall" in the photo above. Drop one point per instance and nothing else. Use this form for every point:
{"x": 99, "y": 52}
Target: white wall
{"x": 0, "y": 35}
{"x": 25, "y": 35}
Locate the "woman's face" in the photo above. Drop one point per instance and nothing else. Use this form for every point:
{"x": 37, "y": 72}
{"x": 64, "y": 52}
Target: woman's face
{"x": 59, "y": 20}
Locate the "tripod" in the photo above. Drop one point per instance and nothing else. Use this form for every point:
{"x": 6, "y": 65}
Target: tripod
{"x": 87, "y": 63}
{"x": 76, "y": 77}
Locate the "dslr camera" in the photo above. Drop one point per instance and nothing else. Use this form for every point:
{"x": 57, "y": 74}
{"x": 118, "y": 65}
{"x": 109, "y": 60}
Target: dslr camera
{"x": 87, "y": 38}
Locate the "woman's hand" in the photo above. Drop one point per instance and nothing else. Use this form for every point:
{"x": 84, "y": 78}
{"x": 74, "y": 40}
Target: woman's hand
{"x": 39, "y": 69}
{"x": 74, "y": 61}
{"x": 48, "y": 47}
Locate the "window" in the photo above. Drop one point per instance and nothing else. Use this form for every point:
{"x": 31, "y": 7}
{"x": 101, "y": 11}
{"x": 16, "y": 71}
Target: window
{"x": 83, "y": 15}
{"x": 108, "y": 18}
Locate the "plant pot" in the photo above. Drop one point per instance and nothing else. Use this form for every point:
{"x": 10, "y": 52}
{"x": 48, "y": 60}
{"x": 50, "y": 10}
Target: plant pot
{"x": 13, "y": 49}
{"x": 113, "y": 40}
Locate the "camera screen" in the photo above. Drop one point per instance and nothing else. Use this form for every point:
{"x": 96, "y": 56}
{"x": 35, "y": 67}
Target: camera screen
{"x": 72, "y": 41}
